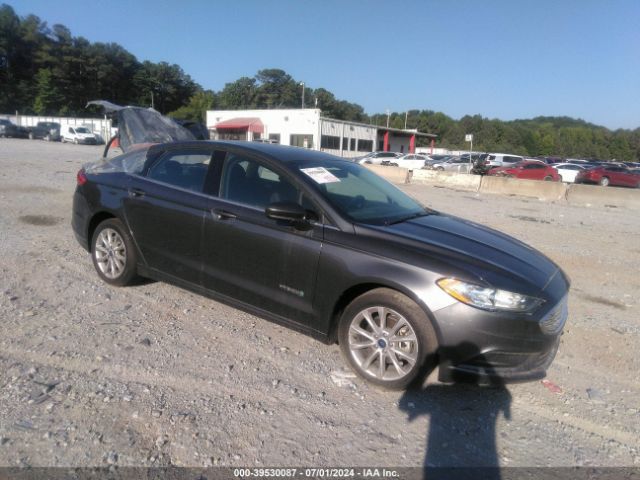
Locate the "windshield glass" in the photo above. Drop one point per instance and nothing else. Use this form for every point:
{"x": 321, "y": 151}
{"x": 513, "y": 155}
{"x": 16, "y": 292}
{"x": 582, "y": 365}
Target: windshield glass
{"x": 82, "y": 130}
{"x": 359, "y": 194}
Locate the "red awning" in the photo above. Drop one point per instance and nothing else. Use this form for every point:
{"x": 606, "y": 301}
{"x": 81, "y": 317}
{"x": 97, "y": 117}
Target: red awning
{"x": 241, "y": 124}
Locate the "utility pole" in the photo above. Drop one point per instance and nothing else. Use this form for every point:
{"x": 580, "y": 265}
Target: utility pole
{"x": 406, "y": 114}
{"x": 302, "y": 83}
{"x": 388, "y": 112}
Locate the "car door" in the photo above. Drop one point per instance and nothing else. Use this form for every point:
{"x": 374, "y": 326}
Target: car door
{"x": 247, "y": 256}
{"x": 614, "y": 175}
{"x": 165, "y": 210}
{"x": 533, "y": 171}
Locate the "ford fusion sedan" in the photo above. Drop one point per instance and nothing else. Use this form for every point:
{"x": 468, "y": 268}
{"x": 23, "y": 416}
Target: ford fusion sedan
{"x": 325, "y": 247}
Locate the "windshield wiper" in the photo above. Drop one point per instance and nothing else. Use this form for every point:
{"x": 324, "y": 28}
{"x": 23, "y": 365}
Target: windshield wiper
{"x": 408, "y": 217}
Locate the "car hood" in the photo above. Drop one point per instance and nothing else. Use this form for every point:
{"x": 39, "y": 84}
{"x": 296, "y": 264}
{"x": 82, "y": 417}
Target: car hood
{"x": 137, "y": 125}
{"x": 489, "y": 255}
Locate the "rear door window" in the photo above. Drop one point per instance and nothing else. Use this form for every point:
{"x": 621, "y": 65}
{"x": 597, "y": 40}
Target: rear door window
{"x": 183, "y": 168}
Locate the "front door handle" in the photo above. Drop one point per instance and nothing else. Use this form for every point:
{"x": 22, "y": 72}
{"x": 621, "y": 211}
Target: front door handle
{"x": 220, "y": 214}
{"x": 136, "y": 192}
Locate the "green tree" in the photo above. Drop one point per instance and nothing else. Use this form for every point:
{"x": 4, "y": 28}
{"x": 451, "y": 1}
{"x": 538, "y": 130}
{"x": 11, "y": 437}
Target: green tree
{"x": 196, "y": 108}
{"x": 48, "y": 99}
{"x": 238, "y": 94}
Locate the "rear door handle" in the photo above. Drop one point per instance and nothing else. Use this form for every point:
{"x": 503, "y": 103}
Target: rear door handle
{"x": 220, "y": 214}
{"x": 136, "y": 192}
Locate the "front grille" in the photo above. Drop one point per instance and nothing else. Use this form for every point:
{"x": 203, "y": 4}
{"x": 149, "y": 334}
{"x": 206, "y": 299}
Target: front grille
{"x": 553, "y": 322}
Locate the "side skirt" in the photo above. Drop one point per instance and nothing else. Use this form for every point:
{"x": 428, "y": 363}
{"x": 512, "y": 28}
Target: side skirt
{"x": 245, "y": 307}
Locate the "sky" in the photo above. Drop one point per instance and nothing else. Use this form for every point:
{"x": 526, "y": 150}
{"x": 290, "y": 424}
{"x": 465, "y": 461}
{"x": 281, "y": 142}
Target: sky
{"x": 504, "y": 59}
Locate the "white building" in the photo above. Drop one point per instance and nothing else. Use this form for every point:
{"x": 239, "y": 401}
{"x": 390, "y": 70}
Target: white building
{"x": 308, "y": 128}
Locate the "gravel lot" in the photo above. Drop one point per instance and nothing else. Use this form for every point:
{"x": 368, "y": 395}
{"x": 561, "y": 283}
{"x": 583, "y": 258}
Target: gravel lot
{"x": 92, "y": 375}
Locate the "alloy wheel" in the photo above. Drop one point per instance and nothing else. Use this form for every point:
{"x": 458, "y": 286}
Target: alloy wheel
{"x": 110, "y": 253}
{"x": 383, "y": 343}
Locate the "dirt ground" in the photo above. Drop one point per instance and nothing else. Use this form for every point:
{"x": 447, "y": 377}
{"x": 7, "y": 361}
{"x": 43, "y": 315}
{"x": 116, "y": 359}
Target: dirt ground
{"x": 93, "y": 375}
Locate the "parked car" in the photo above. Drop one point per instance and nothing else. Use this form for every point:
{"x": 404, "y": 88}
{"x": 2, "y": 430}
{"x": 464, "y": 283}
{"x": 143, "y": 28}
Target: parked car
{"x": 529, "y": 170}
{"x": 326, "y": 247}
{"x": 9, "y": 129}
{"x": 502, "y": 159}
{"x": 412, "y": 161}
{"x": 377, "y": 158}
{"x": 49, "y": 131}
{"x": 96, "y": 133}
{"x": 568, "y": 171}
{"x": 77, "y": 135}
{"x": 606, "y": 175}
{"x": 486, "y": 161}
{"x": 452, "y": 164}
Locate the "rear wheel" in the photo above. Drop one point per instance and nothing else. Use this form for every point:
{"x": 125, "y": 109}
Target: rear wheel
{"x": 548, "y": 178}
{"x": 604, "y": 181}
{"x": 114, "y": 256}
{"x": 387, "y": 339}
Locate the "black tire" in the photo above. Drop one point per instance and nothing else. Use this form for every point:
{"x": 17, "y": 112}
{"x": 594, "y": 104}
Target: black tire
{"x": 75, "y": 140}
{"x": 604, "y": 181}
{"x": 128, "y": 274}
{"x": 548, "y": 178}
{"x": 440, "y": 169}
{"x": 400, "y": 306}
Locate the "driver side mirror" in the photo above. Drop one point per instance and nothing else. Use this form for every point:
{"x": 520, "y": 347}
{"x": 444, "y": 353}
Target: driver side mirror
{"x": 288, "y": 211}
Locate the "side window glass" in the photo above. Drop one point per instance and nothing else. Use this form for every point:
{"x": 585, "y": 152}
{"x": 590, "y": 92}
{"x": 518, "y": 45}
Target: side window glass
{"x": 182, "y": 168}
{"x": 251, "y": 183}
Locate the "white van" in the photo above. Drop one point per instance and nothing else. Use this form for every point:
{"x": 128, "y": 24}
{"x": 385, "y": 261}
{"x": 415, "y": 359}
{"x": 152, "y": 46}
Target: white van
{"x": 77, "y": 135}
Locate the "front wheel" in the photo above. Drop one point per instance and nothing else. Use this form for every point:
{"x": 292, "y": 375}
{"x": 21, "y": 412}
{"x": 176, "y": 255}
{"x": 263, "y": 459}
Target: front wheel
{"x": 548, "y": 178}
{"x": 387, "y": 339}
{"x": 604, "y": 181}
{"x": 113, "y": 253}
{"x": 75, "y": 140}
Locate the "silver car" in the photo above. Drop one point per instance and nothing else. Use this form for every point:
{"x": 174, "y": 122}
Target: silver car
{"x": 453, "y": 164}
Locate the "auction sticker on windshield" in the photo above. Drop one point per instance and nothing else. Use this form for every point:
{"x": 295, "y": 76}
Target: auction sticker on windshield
{"x": 320, "y": 175}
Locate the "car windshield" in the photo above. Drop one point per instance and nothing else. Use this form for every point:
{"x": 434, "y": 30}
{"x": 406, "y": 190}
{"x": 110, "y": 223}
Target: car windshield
{"x": 361, "y": 195}
{"x": 82, "y": 130}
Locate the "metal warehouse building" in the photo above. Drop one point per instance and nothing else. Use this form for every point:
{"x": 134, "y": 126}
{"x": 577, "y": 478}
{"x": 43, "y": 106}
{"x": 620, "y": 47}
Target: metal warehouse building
{"x": 309, "y": 129}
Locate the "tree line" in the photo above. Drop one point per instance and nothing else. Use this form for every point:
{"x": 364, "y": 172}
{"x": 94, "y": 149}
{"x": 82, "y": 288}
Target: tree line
{"x": 47, "y": 71}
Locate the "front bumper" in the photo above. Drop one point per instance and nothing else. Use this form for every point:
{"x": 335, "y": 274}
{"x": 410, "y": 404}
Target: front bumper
{"x": 493, "y": 347}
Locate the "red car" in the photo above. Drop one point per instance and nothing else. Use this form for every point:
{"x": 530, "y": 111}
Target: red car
{"x": 529, "y": 170}
{"x": 609, "y": 175}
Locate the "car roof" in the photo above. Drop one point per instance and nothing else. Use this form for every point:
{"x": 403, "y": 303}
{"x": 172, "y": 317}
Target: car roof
{"x": 283, "y": 153}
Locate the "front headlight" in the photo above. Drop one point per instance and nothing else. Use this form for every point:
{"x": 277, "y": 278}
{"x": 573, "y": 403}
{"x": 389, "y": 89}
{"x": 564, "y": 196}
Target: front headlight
{"x": 488, "y": 298}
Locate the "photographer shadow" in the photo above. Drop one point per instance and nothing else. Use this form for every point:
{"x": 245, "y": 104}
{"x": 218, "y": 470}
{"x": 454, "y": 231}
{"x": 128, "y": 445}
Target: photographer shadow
{"x": 461, "y": 437}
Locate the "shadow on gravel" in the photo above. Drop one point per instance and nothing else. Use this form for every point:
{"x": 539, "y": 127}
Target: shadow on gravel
{"x": 40, "y": 220}
{"x": 461, "y": 437}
